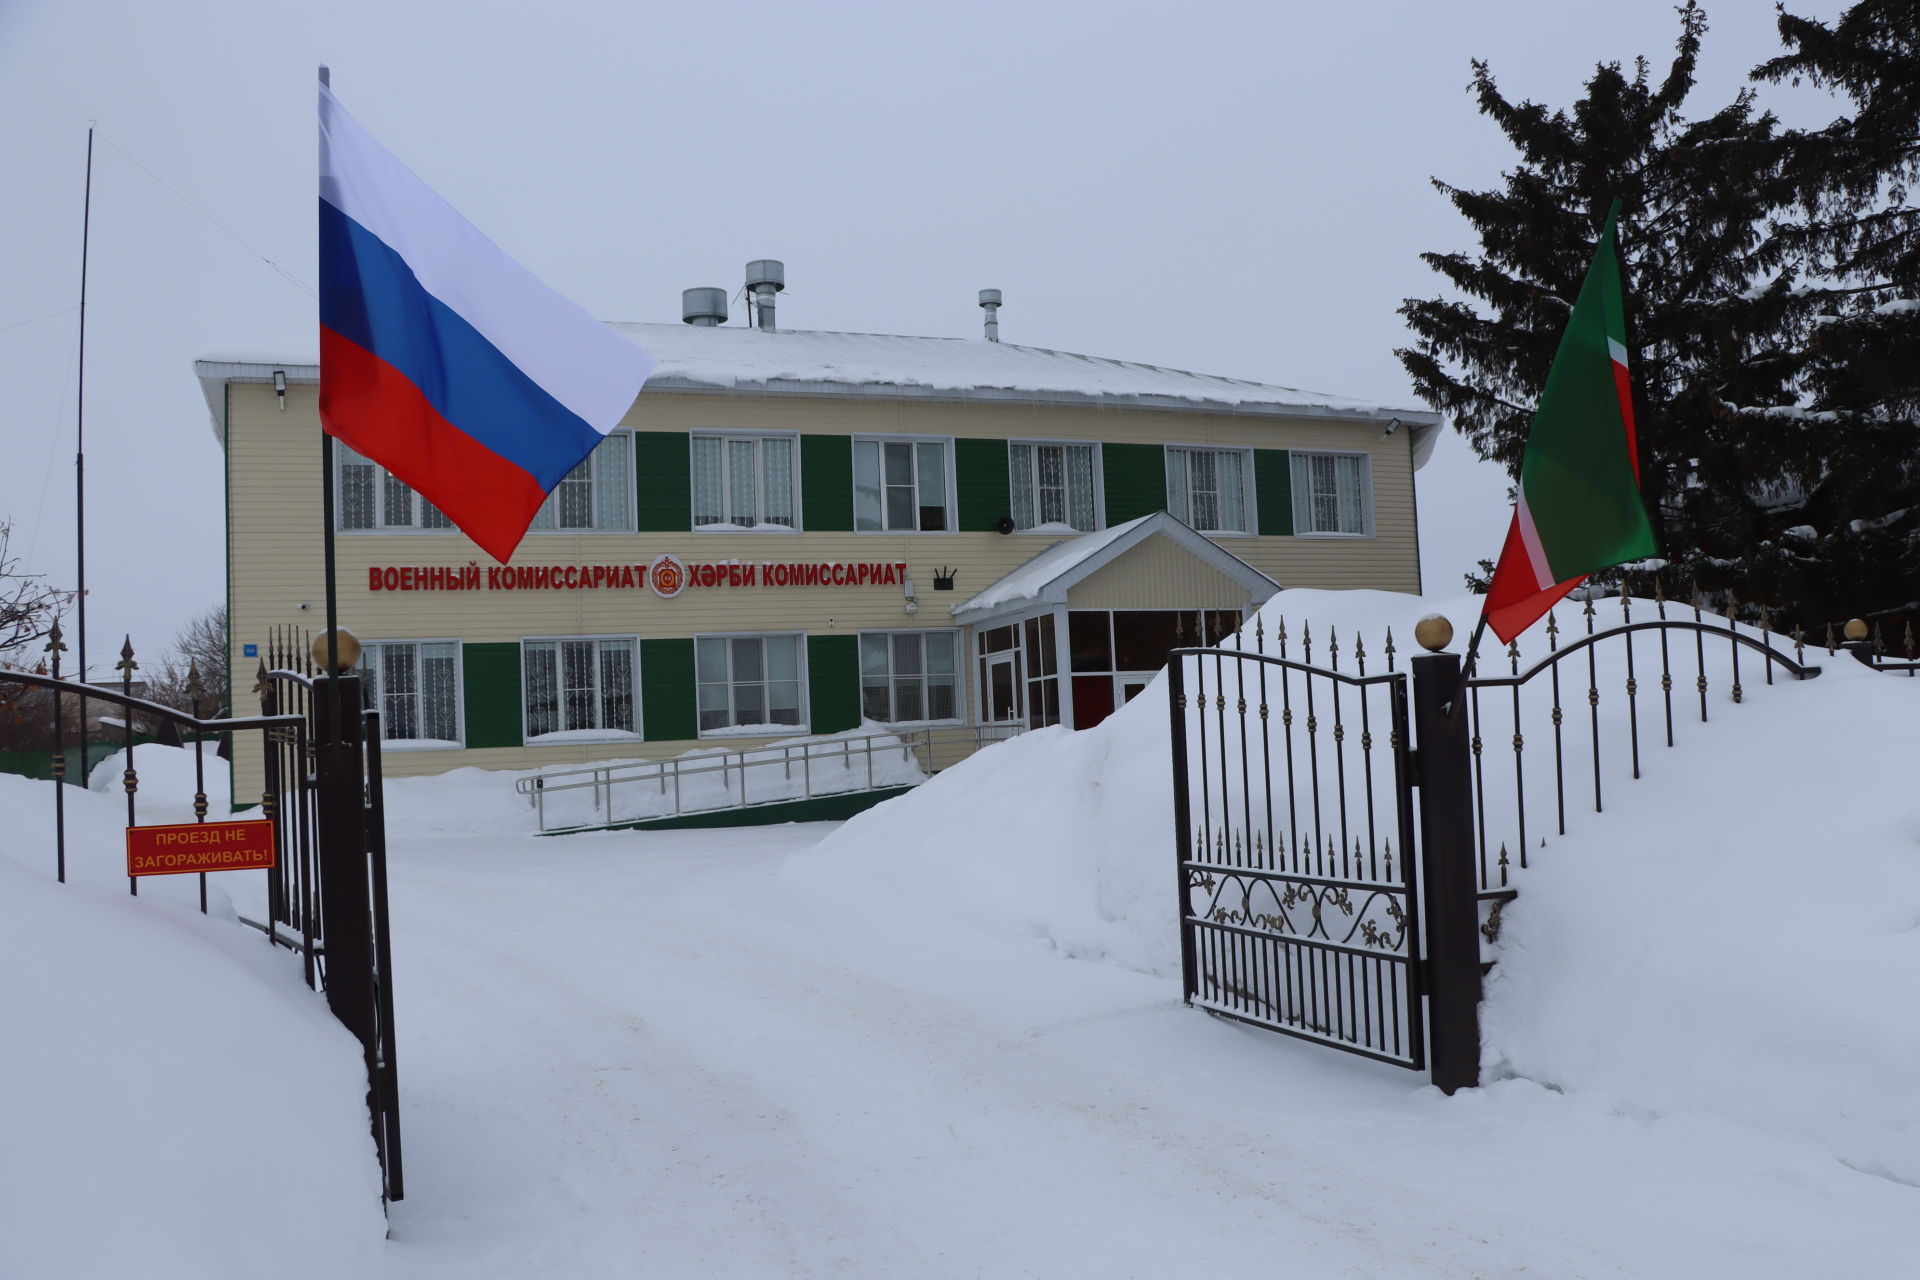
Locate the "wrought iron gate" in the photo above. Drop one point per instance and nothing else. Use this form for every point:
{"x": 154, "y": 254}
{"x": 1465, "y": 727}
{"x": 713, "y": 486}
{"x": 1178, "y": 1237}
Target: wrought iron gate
{"x": 1316, "y": 898}
{"x": 1293, "y": 798}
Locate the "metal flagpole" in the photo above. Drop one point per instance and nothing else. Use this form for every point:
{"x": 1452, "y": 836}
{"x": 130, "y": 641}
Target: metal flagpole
{"x": 80, "y": 456}
{"x": 326, "y": 507}
{"x": 1473, "y": 647}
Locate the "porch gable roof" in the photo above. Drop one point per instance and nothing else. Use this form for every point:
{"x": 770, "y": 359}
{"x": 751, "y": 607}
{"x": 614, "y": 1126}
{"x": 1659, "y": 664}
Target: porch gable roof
{"x": 1046, "y": 579}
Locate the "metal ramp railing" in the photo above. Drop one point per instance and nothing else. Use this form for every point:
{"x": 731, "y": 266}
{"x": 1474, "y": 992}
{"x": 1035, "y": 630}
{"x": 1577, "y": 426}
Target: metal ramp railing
{"x": 591, "y": 797}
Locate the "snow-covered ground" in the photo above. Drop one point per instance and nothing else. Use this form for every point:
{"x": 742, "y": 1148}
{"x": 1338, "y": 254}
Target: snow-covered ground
{"x": 945, "y": 1039}
{"x": 174, "y": 1101}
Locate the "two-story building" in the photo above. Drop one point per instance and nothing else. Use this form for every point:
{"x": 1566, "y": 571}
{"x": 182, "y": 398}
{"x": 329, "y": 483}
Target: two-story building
{"x": 795, "y": 533}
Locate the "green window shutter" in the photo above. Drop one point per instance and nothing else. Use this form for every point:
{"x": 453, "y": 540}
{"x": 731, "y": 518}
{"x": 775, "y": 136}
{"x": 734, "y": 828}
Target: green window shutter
{"x": 491, "y": 673}
{"x": 663, "y": 484}
{"x": 980, "y": 479}
{"x": 1273, "y": 491}
{"x": 826, "y": 483}
{"x": 666, "y": 690}
{"x": 1136, "y": 480}
{"x": 833, "y": 682}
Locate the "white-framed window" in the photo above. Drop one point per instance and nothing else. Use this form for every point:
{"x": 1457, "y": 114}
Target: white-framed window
{"x": 371, "y": 499}
{"x": 597, "y": 495}
{"x": 1054, "y": 485}
{"x": 744, "y": 481}
{"x": 1332, "y": 493}
{"x": 1208, "y": 488}
{"x": 415, "y": 686}
{"x": 902, "y": 485}
{"x": 907, "y": 676}
{"x": 749, "y": 684}
{"x": 579, "y": 687}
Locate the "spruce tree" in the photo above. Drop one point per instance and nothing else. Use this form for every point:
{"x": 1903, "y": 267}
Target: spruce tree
{"x": 1724, "y": 289}
{"x": 1854, "y": 238}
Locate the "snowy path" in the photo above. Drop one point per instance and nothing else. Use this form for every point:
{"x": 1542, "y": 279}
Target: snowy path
{"x": 654, "y": 1055}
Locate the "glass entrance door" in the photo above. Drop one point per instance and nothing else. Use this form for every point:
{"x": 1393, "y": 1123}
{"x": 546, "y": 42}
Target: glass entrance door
{"x": 1003, "y": 687}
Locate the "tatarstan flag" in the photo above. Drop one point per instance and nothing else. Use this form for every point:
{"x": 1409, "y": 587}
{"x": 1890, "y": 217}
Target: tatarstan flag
{"x": 1579, "y": 509}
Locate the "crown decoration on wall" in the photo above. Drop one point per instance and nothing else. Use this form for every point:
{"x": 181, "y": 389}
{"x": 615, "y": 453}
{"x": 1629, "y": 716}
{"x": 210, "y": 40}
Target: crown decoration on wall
{"x": 943, "y": 579}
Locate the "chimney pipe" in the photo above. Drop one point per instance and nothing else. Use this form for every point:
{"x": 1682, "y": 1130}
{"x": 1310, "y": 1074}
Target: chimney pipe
{"x": 990, "y": 302}
{"x": 703, "y": 307}
{"x": 765, "y": 277}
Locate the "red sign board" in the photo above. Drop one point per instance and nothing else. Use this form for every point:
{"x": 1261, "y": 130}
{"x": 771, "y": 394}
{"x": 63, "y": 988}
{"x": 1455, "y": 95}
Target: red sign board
{"x": 199, "y": 846}
{"x": 668, "y": 575}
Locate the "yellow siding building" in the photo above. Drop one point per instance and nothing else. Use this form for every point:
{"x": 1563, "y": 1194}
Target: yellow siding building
{"x": 797, "y": 533}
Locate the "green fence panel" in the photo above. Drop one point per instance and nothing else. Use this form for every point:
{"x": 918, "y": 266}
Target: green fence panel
{"x": 39, "y": 764}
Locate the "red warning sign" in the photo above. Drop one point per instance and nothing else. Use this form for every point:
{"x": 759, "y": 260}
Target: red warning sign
{"x": 200, "y": 846}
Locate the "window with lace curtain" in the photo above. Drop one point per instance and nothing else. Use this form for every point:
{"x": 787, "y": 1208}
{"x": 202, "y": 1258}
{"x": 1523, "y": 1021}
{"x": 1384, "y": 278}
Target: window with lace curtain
{"x": 1332, "y": 493}
{"x": 597, "y": 495}
{"x": 743, "y": 482}
{"x": 579, "y": 686}
{"x": 1053, "y": 485}
{"x": 1207, "y": 488}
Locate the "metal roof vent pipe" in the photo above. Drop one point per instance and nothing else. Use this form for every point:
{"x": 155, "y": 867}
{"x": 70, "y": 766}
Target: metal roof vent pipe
{"x": 765, "y": 277}
{"x": 990, "y": 301}
{"x": 704, "y": 307}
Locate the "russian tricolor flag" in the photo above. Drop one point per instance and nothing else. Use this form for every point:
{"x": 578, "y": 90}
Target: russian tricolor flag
{"x": 443, "y": 359}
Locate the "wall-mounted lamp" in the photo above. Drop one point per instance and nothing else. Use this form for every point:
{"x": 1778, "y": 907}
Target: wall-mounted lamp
{"x": 280, "y": 387}
{"x": 913, "y": 604}
{"x": 1393, "y": 425}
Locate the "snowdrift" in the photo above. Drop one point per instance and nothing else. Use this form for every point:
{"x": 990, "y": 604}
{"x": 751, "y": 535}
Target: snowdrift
{"x": 1738, "y": 933}
{"x": 179, "y": 1103}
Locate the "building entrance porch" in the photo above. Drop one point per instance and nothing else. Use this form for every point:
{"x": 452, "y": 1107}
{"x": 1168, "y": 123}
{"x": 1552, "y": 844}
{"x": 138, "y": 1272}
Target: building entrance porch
{"x": 1083, "y": 627}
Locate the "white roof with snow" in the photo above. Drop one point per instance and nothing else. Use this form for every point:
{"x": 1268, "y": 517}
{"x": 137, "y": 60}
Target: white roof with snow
{"x": 731, "y": 359}
{"x": 1046, "y": 579}
{"x": 723, "y": 359}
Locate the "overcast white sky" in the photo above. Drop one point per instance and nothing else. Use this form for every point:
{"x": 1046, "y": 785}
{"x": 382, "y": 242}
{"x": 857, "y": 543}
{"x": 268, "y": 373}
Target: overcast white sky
{"x": 1233, "y": 188}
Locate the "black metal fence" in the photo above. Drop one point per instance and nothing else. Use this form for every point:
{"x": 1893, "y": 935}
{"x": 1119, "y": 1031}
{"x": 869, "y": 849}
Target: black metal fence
{"x": 326, "y": 895}
{"x": 1869, "y": 646}
{"x": 1316, "y": 898}
{"x": 64, "y": 705}
{"x": 324, "y": 788}
{"x": 1559, "y": 735}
